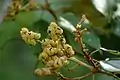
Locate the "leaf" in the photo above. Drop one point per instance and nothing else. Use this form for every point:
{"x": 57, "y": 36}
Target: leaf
{"x": 76, "y": 72}
{"x": 114, "y": 62}
{"x": 47, "y": 16}
{"x": 106, "y": 7}
{"x": 103, "y": 77}
{"x": 15, "y": 54}
{"x": 71, "y": 40}
{"x": 28, "y": 18}
{"x": 110, "y": 51}
{"x": 71, "y": 18}
{"x": 101, "y": 5}
{"x": 9, "y": 30}
{"x": 70, "y": 37}
{"x": 56, "y": 4}
{"x": 91, "y": 40}
{"x": 17, "y": 61}
{"x": 80, "y": 7}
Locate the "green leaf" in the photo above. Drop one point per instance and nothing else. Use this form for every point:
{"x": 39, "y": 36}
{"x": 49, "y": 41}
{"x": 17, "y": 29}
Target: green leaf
{"x": 9, "y": 30}
{"x": 76, "y": 72}
{"x": 56, "y": 4}
{"x": 103, "y": 77}
{"x": 47, "y": 16}
{"x": 91, "y": 40}
{"x": 71, "y": 18}
{"x": 80, "y": 7}
{"x": 71, "y": 40}
{"x": 70, "y": 37}
{"x": 17, "y": 61}
{"x": 28, "y": 18}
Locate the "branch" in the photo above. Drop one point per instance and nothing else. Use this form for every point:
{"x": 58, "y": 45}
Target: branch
{"x": 81, "y": 63}
{"x": 76, "y": 78}
{"x": 82, "y": 77}
{"x": 48, "y": 8}
{"x": 78, "y": 35}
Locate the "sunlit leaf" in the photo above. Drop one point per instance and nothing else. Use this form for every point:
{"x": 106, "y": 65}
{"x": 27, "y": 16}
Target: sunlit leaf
{"x": 101, "y": 5}
{"x": 80, "y": 7}
{"x": 106, "y": 7}
{"x": 111, "y": 51}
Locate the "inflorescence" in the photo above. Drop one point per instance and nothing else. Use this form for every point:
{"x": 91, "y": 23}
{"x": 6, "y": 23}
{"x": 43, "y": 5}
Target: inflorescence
{"x": 56, "y": 51}
{"x": 30, "y": 37}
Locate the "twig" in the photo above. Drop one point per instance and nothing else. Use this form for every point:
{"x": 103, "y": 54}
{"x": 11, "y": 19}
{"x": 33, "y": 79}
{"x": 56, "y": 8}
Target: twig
{"x": 93, "y": 77}
{"x": 48, "y": 8}
{"x": 94, "y": 52}
{"x": 82, "y": 46}
{"x": 81, "y": 63}
{"x": 76, "y": 78}
{"x": 80, "y": 42}
{"x": 63, "y": 77}
{"x": 83, "y": 19}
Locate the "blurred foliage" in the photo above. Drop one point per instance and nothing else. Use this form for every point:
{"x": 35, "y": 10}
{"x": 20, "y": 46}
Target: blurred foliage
{"x": 17, "y": 60}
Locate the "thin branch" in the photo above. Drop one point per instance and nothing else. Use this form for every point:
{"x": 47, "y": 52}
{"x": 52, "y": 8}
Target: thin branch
{"x": 93, "y": 77}
{"x": 81, "y": 63}
{"x": 82, "y": 46}
{"x": 83, "y": 19}
{"x": 47, "y": 3}
{"x": 48, "y": 8}
{"x": 76, "y": 78}
{"x": 94, "y": 52}
{"x": 62, "y": 77}
{"x": 78, "y": 35}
